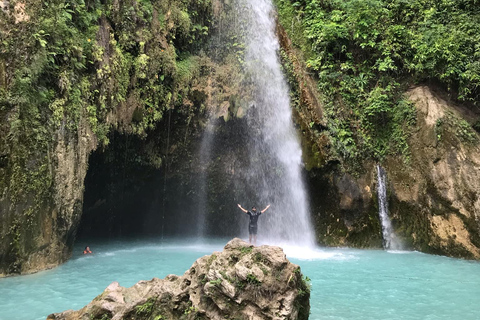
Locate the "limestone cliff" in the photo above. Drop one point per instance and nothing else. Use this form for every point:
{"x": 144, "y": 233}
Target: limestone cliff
{"x": 241, "y": 282}
{"x": 435, "y": 199}
{"x": 70, "y": 74}
{"x": 433, "y": 196}
{"x": 76, "y": 76}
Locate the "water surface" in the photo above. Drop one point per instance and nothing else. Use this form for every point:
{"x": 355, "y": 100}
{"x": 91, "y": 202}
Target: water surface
{"x": 346, "y": 284}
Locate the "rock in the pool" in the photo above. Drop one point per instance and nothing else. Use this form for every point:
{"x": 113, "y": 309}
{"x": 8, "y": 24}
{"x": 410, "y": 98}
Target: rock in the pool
{"x": 242, "y": 282}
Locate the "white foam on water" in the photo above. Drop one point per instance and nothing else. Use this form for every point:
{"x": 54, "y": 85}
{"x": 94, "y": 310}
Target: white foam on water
{"x": 311, "y": 253}
{"x": 401, "y": 251}
{"x": 315, "y": 254}
{"x": 108, "y": 254}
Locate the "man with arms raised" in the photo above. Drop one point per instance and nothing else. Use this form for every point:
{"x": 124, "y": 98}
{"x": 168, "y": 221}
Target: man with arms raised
{"x": 252, "y": 225}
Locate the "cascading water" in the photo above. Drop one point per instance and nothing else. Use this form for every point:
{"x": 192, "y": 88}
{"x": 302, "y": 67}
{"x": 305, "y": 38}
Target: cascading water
{"x": 274, "y": 171}
{"x": 204, "y": 157}
{"x": 390, "y": 241}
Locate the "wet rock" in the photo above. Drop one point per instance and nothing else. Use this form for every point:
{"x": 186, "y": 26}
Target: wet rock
{"x": 435, "y": 198}
{"x": 241, "y": 282}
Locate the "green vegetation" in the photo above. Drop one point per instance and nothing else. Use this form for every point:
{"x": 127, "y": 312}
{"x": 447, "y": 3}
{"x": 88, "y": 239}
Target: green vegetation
{"x": 246, "y": 250}
{"x": 210, "y": 260}
{"x": 82, "y": 59}
{"x": 258, "y": 258}
{"x": 226, "y": 277}
{"x": 451, "y": 127}
{"x": 240, "y": 285}
{"x": 104, "y": 316}
{"x": 72, "y": 71}
{"x": 190, "y": 309}
{"x": 146, "y": 308}
{"x": 253, "y": 280}
{"x": 216, "y": 282}
{"x": 304, "y": 287}
{"x": 365, "y": 54}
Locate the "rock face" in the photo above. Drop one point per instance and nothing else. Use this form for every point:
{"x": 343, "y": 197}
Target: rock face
{"x": 242, "y": 282}
{"x": 436, "y": 198}
{"x": 433, "y": 200}
{"x": 46, "y": 139}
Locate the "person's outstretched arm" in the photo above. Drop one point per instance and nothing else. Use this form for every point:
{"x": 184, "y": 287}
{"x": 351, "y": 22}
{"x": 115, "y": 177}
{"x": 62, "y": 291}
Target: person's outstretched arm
{"x": 242, "y": 208}
{"x": 265, "y": 209}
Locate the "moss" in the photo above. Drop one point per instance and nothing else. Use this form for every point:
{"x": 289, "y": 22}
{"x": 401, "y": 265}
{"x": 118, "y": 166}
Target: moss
{"x": 452, "y": 130}
{"x": 216, "y": 282}
{"x": 210, "y": 260}
{"x": 245, "y": 250}
{"x": 301, "y": 302}
{"x": 146, "y": 308}
{"x": 226, "y": 277}
{"x": 66, "y": 71}
{"x": 253, "y": 280}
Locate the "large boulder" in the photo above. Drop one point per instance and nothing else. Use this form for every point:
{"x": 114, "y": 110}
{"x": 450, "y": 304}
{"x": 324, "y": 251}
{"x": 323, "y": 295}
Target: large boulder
{"x": 241, "y": 282}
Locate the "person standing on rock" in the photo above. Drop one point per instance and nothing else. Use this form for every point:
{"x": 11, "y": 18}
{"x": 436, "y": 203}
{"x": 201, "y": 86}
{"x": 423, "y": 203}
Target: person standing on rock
{"x": 252, "y": 225}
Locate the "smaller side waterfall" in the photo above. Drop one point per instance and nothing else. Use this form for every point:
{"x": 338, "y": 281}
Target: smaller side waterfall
{"x": 390, "y": 240}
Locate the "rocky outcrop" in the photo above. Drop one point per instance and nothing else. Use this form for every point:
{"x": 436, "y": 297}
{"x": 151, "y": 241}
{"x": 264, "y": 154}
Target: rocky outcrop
{"x": 435, "y": 199}
{"x": 241, "y": 282}
{"x": 123, "y": 74}
{"x": 308, "y": 111}
{"x": 433, "y": 196}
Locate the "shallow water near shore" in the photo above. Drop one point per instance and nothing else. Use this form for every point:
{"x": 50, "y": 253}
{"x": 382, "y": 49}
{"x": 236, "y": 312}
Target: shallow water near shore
{"x": 346, "y": 283}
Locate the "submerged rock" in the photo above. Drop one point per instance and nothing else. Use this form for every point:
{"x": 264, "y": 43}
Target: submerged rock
{"x": 241, "y": 282}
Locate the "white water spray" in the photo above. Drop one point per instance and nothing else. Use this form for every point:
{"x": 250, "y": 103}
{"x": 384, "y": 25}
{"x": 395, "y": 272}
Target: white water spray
{"x": 390, "y": 240}
{"x": 204, "y": 162}
{"x": 274, "y": 172}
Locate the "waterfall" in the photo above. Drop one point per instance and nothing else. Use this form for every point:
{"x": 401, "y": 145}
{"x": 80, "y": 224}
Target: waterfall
{"x": 274, "y": 172}
{"x": 204, "y": 161}
{"x": 390, "y": 241}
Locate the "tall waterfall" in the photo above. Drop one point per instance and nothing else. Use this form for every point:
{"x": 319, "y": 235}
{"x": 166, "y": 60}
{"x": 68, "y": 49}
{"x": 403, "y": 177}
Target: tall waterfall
{"x": 274, "y": 171}
{"x": 390, "y": 241}
{"x": 204, "y": 157}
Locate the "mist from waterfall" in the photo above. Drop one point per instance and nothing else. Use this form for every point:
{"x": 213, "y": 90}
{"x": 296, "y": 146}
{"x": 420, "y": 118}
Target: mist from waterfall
{"x": 204, "y": 161}
{"x": 274, "y": 172}
{"x": 390, "y": 240}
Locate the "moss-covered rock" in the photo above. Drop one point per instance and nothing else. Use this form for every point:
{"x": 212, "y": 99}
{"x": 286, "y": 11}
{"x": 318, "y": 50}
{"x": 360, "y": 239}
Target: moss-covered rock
{"x": 70, "y": 73}
{"x": 434, "y": 202}
{"x": 241, "y": 282}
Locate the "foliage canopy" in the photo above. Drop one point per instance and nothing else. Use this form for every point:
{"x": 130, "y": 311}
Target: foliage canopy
{"x": 366, "y": 52}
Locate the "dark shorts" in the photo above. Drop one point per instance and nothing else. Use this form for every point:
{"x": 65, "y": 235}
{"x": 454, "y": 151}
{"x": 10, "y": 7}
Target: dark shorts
{"x": 252, "y": 229}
